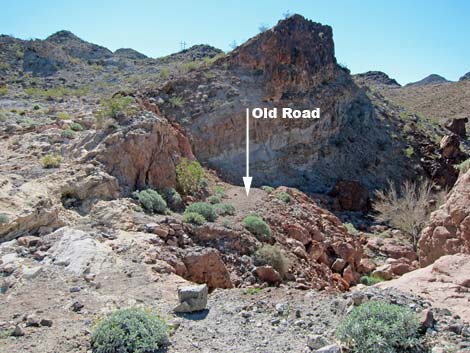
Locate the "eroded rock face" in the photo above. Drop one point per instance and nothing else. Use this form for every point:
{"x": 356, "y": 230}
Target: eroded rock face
{"x": 350, "y": 195}
{"x": 290, "y": 65}
{"x": 142, "y": 154}
{"x": 449, "y": 229}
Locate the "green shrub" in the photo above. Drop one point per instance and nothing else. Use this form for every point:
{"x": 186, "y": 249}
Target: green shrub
{"x": 464, "y": 166}
{"x": 151, "y": 200}
{"x": 379, "y": 327}
{"x": 68, "y": 133}
{"x": 3, "y": 90}
{"x": 51, "y": 160}
{"x": 116, "y": 106}
{"x": 194, "y": 218}
{"x": 76, "y": 127}
{"x": 190, "y": 66}
{"x": 164, "y": 74}
{"x": 204, "y": 209}
{"x": 350, "y": 228}
{"x": 57, "y": 92}
{"x": 252, "y": 291}
{"x": 268, "y": 189}
{"x": 283, "y": 196}
{"x": 257, "y": 226}
{"x": 177, "y": 102}
{"x": 371, "y": 280}
{"x": 129, "y": 331}
{"x": 63, "y": 115}
{"x": 214, "y": 199}
{"x": 189, "y": 176}
{"x": 172, "y": 198}
{"x": 219, "y": 191}
{"x": 272, "y": 255}
{"x": 3, "y": 218}
{"x": 224, "y": 209}
{"x": 36, "y": 107}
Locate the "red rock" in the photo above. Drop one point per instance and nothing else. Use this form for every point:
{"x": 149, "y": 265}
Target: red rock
{"x": 205, "y": 265}
{"x": 457, "y": 126}
{"x": 350, "y": 276}
{"x": 268, "y": 274}
{"x": 450, "y": 146}
{"x": 390, "y": 248}
{"x": 29, "y": 241}
{"x": 401, "y": 266}
{"x": 298, "y": 232}
{"x": 338, "y": 265}
{"x": 366, "y": 266}
{"x": 384, "y": 271}
{"x": 448, "y": 231}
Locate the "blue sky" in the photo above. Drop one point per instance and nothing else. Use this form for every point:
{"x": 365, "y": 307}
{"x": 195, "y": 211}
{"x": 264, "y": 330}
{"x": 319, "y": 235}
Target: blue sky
{"x": 406, "y": 39}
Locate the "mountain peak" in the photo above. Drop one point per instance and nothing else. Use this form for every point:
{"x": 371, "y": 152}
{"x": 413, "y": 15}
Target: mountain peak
{"x": 429, "y": 80}
{"x": 62, "y": 36}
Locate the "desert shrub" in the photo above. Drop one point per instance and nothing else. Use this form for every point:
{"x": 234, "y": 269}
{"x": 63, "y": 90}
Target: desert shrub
{"x": 151, "y": 200}
{"x": 268, "y": 189}
{"x": 76, "y": 127}
{"x": 194, "y": 218}
{"x": 164, "y": 74}
{"x": 68, "y": 133}
{"x": 177, "y": 102}
{"x": 214, "y": 199}
{"x": 224, "y": 209}
{"x": 252, "y": 291}
{"x": 204, "y": 209}
{"x": 190, "y": 66}
{"x": 283, "y": 196}
{"x": 189, "y": 176}
{"x": 56, "y": 92}
{"x": 116, "y": 106}
{"x": 409, "y": 152}
{"x": 3, "y": 90}
{"x": 379, "y": 327}
{"x": 350, "y": 228}
{"x": 371, "y": 280}
{"x": 407, "y": 209}
{"x": 3, "y": 218}
{"x": 219, "y": 191}
{"x": 51, "y": 160}
{"x": 129, "y": 331}
{"x": 63, "y": 115}
{"x": 255, "y": 224}
{"x": 272, "y": 255}
{"x": 172, "y": 198}
{"x": 36, "y": 107}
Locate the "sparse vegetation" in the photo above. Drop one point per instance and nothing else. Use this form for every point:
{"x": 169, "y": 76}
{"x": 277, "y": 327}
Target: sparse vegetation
{"x": 151, "y": 200}
{"x": 190, "y": 176}
{"x": 176, "y": 102}
{"x": 378, "y": 327}
{"x": 219, "y": 191}
{"x": 3, "y": 218}
{"x": 130, "y": 331}
{"x": 407, "y": 209}
{"x": 350, "y": 228}
{"x": 224, "y": 209}
{"x": 116, "y": 106}
{"x": 63, "y": 115}
{"x": 194, "y": 218}
{"x": 190, "y": 66}
{"x": 68, "y": 133}
{"x": 371, "y": 280}
{"x": 56, "y": 92}
{"x": 273, "y": 256}
{"x": 409, "y": 151}
{"x": 51, "y": 160}
{"x": 76, "y": 127}
{"x": 256, "y": 225}
{"x": 283, "y": 196}
{"x": 214, "y": 199}
{"x": 252, "y": 291}
{"x": 204, "y": 209}
{"x": 3, "y": 90}
{"x": 164, "y": 74}
{"x": 268, "y": 189}
{"x": 464, "y": 166}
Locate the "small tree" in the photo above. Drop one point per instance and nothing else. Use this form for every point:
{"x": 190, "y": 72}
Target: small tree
{"x": 190, "y": 176}
{"x": 407, "y": 209}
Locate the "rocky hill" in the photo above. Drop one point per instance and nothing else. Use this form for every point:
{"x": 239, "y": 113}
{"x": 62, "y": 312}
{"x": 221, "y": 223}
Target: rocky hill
{"x": 429, "y": 80}
{"x": 375, "y": 78}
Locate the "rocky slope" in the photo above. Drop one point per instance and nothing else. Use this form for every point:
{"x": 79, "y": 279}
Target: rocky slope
{"x": 274, "y": 69}
{"x": 429, "y": 80}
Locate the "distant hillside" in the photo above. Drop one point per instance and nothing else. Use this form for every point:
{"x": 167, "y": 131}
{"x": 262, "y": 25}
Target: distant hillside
{"x": 375, "y": 78}
{"x": 429, "y": 80}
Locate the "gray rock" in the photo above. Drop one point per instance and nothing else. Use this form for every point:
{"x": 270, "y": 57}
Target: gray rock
{"x": 317, "y": 342}
{"x": 332, "y": 348}
{"x": 18, "y": 331}
{"x": 192, "y": 298}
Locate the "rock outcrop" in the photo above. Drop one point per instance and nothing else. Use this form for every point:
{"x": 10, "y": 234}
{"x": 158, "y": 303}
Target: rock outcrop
{"x": 376, "y": 78}
{"x": 429, "y": 80}
{"x": 448, "y": 231}
{"x": 144, "y": 153}
{"x": 465, "y": 77}
{"x": 290, "y": 65}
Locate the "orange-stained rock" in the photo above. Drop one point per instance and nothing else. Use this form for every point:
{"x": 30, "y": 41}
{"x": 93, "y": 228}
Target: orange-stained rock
{"x": 268, "y": 274}
{"x": 350, "y": 195}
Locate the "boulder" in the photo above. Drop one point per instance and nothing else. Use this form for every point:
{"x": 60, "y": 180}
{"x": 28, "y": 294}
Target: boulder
{"x": 450, "y": 146}
{"x": 332, "y": 348}
{"x": 350, "y": 195}
{"x": 268, "y": 274}
{"x": 448, "y": 231}
{"x": 317, "y": 341}
{"x": 192, "y": 298}
{"x": 457, "y": 126}
{"x": 205, "y": 265}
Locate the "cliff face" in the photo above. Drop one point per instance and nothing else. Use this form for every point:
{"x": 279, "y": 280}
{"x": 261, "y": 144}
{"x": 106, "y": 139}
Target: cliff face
{"x": 292, "y": 65}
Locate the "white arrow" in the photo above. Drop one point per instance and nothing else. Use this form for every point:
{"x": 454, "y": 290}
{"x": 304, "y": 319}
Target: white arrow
{"x": 247, "y": 179}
